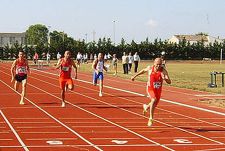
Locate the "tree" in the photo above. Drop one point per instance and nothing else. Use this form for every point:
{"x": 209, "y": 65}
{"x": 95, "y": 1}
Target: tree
{"x": 37, "y": 35}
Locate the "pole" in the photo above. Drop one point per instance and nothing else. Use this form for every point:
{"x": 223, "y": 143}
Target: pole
{"x": 86, "y": 37}
{"x": 94, "y": 35}
{"x": 221, "y": 56}
{"x": 114, "y": 32}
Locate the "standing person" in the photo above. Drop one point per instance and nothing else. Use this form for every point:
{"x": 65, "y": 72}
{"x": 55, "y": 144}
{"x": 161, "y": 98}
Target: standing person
{"x": 19, "y": 71}
{"x": 79, "y": 59}
{"x": 58, "y": 56}
{"x": 130, "y": 61}
{"x": 136, "y": 61}
{"x": 91, "y": 57}
{"x": 125, "y": 63}
{"x": 48, "y": 57}
{"x": 98, "y": 67}
{"x": 156, "y": 75}
{"x": 65, "y": 81}
{"x": 35, "y": 58}
{"x": 114, "y": 63}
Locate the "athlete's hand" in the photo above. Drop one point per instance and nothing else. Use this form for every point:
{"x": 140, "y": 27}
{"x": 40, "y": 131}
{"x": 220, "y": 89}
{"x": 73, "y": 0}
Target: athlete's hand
{"x": 75, "y": 77}
{"x": 132, "y": 78}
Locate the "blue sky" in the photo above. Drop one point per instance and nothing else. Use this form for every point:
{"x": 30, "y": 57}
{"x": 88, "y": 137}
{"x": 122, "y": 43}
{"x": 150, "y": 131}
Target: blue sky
{"x": 134, "y": 19}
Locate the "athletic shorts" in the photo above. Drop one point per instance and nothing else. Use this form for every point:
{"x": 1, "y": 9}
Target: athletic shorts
{"x": 20, "y": 78}
{"x": 97, "y": 76}
{"x": 154, "y": 94}
{"x": 63, "y": 82}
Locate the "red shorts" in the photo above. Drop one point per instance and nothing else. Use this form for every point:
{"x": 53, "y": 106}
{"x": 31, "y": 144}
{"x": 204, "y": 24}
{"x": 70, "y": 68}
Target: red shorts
{"x": 154, "y": 94}
{"x": 63, "y": 82}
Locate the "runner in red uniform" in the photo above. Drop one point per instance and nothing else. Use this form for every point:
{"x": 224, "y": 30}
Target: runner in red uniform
{"x": 65, "y": 81}
{"x": 19, "y": 71}
{"x": 156, "y": 74}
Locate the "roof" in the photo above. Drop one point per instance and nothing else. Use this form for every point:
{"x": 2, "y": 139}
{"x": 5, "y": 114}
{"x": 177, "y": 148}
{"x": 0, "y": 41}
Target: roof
{"x": 192, "y": 37}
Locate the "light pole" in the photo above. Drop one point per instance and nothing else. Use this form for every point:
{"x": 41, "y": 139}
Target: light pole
{"x": 114, "y": 32}
{"x": 93, "y": 35}
{"x": 86, "y": 37}
{"x": 221, "y": 56}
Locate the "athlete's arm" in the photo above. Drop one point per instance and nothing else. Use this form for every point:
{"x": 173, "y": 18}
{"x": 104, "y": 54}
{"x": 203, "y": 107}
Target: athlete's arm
{"x": 166, "y": 76}
{"x": 13, "y": 70}
{"x": 94, "y": 64}
{"x": 75, "y": 67}
{"x": 58, "y": 64}
{"x": 139, "y": 73}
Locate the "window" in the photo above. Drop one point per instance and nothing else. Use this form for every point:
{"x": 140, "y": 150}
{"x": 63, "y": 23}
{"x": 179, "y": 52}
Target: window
{"x": 12, "y": 40}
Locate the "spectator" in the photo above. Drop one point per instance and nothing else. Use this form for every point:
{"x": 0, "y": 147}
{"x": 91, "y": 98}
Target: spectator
{"x": 48, "y": 57}
{"x": 35, "y": 58}
{"x": 58, "y": 56}
{"x": 114, "y": 63}
{"x": 130, "y": 61}
{"x": 125, "y": 63}
{"x": 136, "y": 61}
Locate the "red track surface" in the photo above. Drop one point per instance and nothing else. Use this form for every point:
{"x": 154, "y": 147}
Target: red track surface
{"x": 90, "y": 122}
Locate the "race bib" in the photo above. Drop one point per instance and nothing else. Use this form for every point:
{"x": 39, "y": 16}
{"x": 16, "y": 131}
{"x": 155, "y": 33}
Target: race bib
{"x": 65, "y": 68}
{"x": 22, "y": 70}
{"x": 157, "y": 85}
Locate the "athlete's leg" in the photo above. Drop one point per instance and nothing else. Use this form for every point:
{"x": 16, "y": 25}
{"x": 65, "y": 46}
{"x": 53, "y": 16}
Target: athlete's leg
{"x": 62, "y": 84}
{"x": 100, "y": 83}
{"x": 23, "y": 93}
{"x": 70, "y": 84}
{"x": 152, "y": 106}
{"x": 16, "y": 85}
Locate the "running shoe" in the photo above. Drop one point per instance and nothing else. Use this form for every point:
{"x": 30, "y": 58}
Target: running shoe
{"x": 150, "y": 121}
{"x": 63, "y": 104}
{"x": 100, "y": 94}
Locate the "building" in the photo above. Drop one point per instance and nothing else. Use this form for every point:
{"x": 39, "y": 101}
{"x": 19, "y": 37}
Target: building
{"x": 11, "y": 38}
{"x": 195, "y": 38}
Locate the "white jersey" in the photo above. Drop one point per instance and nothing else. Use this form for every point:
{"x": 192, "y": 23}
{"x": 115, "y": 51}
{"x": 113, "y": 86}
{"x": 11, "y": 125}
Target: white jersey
{"x": 100, "y": 66}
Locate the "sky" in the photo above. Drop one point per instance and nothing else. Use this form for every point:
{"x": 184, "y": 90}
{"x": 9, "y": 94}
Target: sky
{"x": 116, "y": 19}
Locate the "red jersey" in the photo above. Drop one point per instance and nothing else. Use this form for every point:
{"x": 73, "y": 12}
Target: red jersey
{"x": 21, "y": 67}
{"x": 66, "y": 68}
{"x": 155, "y": 80}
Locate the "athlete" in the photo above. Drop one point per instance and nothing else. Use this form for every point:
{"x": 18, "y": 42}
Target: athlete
{"x": 19, "y": 71}
{"x": 65, "y": 81}
{"x": 98, "y": 67}
{"x": 156, "y": 74}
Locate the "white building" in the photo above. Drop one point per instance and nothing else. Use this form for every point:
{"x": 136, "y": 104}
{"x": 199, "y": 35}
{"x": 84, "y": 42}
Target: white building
{"x": 195, "y": 38}
{"x": 11, "y": 38}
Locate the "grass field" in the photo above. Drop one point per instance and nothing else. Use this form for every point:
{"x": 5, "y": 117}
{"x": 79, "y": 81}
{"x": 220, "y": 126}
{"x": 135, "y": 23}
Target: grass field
{"x": 189, "y": 74}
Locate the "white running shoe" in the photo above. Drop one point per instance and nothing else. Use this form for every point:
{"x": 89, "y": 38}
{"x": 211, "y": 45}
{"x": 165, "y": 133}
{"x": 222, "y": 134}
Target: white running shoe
{"x": 63, "y": 104}
{"x": 145, "y": 107}
{"x": 150, "y": 121}
{"x": 22, "y": 103}
{"x": 100, "y": 94}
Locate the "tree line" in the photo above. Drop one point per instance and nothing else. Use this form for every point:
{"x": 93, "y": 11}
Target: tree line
{"x": 40, "y": 40}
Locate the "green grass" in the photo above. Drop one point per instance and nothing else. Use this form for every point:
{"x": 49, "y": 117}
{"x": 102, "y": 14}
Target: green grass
{"x": 190, "y": 74}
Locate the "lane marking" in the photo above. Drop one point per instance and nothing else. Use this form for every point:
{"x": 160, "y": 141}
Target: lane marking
{"x": 55, "y": 142}
{"x": 39, "y": 127}
{"x": 120, "y": 142}
{"x": 113, "y": 138}
{"x": 126, "y": 111}
{"x": 14, "y": 131}
{"x": 45, "y": 132}
{"x": 40, "y": 139}
{"x": 182, "y": 141}
{"x": 98, "y": 115}
{"x": 211, "y": 149}
{"x": 71, "y": 130}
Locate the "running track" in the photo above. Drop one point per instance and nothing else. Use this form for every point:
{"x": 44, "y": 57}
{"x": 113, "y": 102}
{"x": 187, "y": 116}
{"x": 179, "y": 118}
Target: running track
{"x": 111, "y": 122}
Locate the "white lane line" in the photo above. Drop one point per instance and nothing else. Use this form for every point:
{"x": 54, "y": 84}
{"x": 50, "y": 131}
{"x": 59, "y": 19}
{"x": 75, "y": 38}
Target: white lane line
{"x": 93, "y": 126}
{"x": 71, "y": 130}
{"x": 209, "y": 95}
{"x": 99, "y": 116}
{"x": 29, "y": 118}
{"x": 86, "y": 122}
{"x": 35, "y": 127}
{"x": 129, "y": 112}
{"x": 41, "y": 139}
{"x": 6, "y": 132}
{"x": 63, "y": 118}
{"x": 33, "y": 122}
{"x": 6, "y": 139}
{"x": 115, "y": 138}
{"x": 213, "y": 149}
{"x": 45, "y": 132}
{"x": 14, "y": 131}
{"x": 103, "y": 132}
